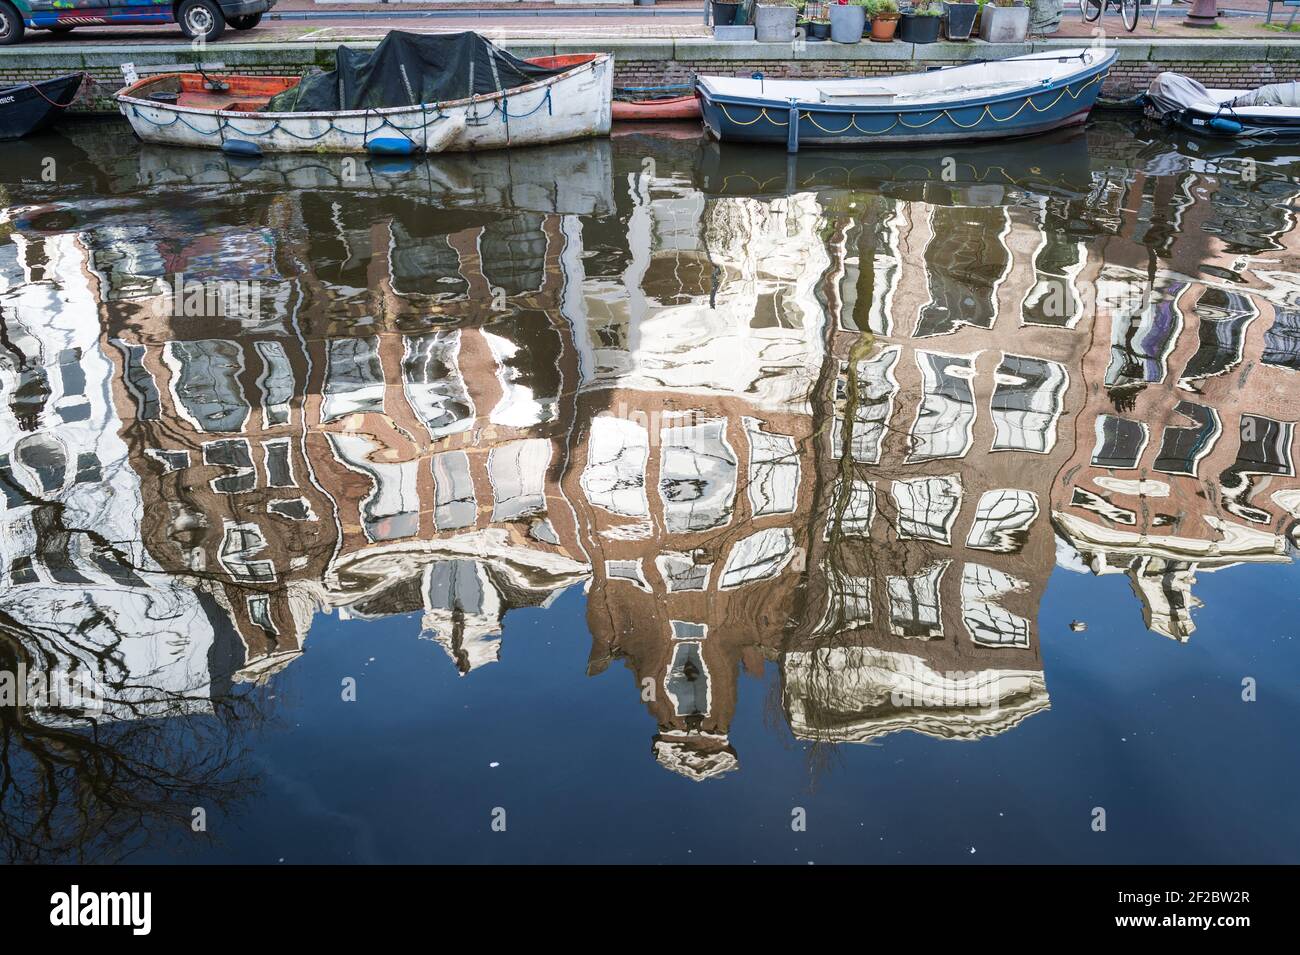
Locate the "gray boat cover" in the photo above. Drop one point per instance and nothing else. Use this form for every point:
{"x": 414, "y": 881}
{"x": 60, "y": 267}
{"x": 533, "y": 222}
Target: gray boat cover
{"x": 1172, "y": 92}
{"x": 1275, "y": 94}
{"x": 408, "y": 69}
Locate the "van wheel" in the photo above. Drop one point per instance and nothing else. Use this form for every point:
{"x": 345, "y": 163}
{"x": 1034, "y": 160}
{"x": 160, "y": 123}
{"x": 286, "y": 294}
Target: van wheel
{"x": 245, "y": 23}
{"x": 11, "y": 25}
{"x": 200, "y": 20}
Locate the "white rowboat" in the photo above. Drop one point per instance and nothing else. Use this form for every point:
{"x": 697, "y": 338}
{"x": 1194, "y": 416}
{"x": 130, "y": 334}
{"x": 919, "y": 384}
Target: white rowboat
{"x": 184, "y": 109}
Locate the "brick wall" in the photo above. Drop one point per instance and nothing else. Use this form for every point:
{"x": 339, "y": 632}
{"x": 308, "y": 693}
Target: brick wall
{"x": 104, "y": 64}
{"x": 1242, "y": 65}
{"x": 1129, "y": 78}
{"x": 1125, "y": 78}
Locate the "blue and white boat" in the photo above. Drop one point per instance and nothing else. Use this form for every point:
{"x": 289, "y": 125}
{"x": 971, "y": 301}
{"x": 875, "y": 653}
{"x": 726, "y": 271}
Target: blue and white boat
{"x": 1018, "y": 96}
{"x": 1268, "y": 114}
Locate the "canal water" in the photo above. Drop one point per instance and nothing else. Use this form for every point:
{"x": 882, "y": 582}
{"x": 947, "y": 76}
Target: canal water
{"x": 647, "y": 500}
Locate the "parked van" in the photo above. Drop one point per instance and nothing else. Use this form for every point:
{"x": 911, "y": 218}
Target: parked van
{"x": 198, "y": 19}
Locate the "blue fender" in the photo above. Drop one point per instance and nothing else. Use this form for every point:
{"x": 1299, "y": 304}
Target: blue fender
{"x": 1225, "y": 126}
{"x": 241, "y": 147}
{"x": 390, "y": 146}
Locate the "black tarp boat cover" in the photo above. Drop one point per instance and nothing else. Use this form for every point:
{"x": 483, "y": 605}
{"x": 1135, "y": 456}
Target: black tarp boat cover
{"x": 1173, "y": 92}
{"x": 408, "y": 69}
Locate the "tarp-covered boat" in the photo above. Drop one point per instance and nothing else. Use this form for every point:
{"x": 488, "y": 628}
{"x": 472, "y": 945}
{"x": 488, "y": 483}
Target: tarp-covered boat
{"x": 1018, "y": 96}
{"x": 413, "y": 94}
{"x": 1268, "y": 113}
{"x": 29, "y": 106}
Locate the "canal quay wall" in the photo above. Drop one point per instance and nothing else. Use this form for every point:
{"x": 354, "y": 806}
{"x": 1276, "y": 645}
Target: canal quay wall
{"x": 666, "y": 61}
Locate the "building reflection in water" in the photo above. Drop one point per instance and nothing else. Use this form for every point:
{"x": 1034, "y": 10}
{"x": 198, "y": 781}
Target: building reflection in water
{"x": 843, "y": 417}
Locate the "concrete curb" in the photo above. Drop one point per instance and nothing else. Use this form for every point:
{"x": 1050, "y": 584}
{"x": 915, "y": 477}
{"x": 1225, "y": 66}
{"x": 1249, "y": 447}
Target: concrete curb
{"x": 697, "y": 48}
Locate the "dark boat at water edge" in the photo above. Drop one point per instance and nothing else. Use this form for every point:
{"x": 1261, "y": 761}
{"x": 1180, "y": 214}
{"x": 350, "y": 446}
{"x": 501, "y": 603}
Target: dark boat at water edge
{"x": 29, "y": 106}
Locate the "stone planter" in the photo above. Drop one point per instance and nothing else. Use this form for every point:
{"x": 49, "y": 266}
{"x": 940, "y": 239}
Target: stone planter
{"x": 918, "y": 29}
{"x": 1045, "y": 15}
{"x": 960, "y": 18}
{"x": 847, "y": 22}
{"x": 774, "y": 24}
{"x": 1004, "y": 24}
{"x": 883, "y": 26}
{"x": 724, "y": 14}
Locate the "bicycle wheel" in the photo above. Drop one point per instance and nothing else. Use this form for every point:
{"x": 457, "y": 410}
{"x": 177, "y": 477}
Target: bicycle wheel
{"x": 1091, "y": 9}
{"x": 1130, "y": 12}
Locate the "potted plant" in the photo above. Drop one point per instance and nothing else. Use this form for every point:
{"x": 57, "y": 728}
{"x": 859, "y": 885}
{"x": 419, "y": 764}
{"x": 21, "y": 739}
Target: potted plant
{"x": 848, "y": 20}
{"x": 1004, "y": 21}
{"x": 821, "y": 29}
{"x": 774, "y": 21}
{"x": 802, "y": 21}
{"x": 921, "y": 24}
{"x": 724, "y": 14}
{"x": 961, "y": 18}
{"x": 884, "y": 19}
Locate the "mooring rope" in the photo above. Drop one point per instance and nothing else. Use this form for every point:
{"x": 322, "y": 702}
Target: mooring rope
{"x": 86, "y": 79}
{"x": 224, "y": 125}
{"x": 987, "y": 112}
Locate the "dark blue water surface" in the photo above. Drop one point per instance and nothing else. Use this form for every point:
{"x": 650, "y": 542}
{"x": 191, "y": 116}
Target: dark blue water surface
{"x": 1153, "y": 731}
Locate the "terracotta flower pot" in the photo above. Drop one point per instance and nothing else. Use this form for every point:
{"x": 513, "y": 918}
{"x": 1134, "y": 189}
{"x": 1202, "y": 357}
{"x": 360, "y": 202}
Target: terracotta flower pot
{"x": 883, "y": 26}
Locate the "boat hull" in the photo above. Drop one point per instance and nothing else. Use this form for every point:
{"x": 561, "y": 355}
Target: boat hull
{"x": 1234, "y": 125}
{"x": 574, "y": 105}
{"x": 1030, "y": 111}
{"x": 25, "y": 109}
{"x": 674, "y": 109}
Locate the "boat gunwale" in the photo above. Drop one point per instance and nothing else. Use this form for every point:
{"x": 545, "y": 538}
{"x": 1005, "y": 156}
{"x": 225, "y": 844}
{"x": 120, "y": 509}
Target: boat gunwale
{"x": 1248, "y": 115}
{"x": 975, "y": 102}
{"x": 39, "y": 84}
{"x": 124, "y": 96}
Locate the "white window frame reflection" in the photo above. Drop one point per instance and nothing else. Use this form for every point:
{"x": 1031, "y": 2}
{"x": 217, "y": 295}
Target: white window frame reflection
{"x": 1032, "y": 428}
{"x": 941, "y": 418}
